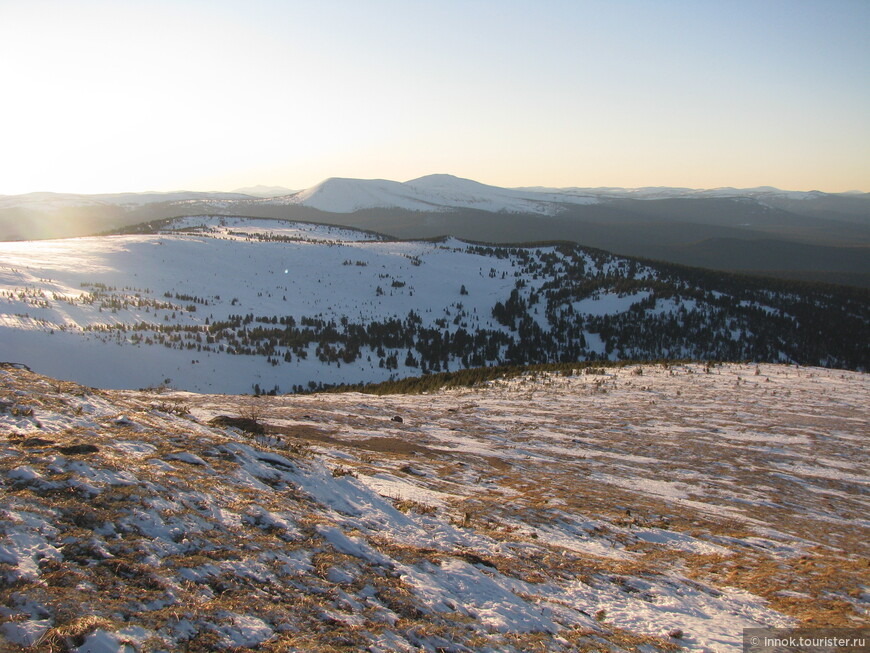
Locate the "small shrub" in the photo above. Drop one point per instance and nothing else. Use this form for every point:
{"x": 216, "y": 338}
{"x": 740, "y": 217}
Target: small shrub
{"x": 173, "y": 407}
{"x": 409, "y": 505}
{"x": 251, "y": 409}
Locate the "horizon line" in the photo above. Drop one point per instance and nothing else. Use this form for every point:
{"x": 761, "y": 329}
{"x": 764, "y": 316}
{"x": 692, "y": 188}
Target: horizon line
{"x": 599, "y": 188}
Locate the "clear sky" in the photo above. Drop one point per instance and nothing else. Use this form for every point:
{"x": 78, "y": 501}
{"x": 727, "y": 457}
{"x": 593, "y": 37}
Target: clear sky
{"x": 108, "y": 96}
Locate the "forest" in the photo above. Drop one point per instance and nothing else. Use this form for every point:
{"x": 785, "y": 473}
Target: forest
{"x": 672, "y": 313}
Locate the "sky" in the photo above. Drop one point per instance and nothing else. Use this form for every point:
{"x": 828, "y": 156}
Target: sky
{"x": 111, "y": 96}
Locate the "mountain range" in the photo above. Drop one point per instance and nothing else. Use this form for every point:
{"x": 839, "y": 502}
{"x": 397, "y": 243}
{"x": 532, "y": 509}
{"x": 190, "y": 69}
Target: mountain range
{"x": 801, "y": 235}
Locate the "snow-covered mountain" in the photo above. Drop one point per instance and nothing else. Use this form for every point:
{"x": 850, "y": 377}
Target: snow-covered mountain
{"x": 430, "y": 193}
{"x": 339, "y": 195}
{"x": 441, "y": 191}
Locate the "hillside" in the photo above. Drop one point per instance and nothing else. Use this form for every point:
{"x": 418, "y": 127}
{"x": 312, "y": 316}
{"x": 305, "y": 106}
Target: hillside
{"x": 816, "y": 236}
{"x": 237, "y": 305}
{"x": 432, "y": 193}
{"x": 643, "y": 508}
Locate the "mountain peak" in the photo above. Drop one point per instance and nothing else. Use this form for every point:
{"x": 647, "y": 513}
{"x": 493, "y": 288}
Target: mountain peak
{"x": 261, "y": 190}
{"x": 439, "y": 177}
{"x": 442, "y": 180}
{"x": 345, "y": 195}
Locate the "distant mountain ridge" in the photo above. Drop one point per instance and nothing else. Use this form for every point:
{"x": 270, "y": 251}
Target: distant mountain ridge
{"x": 721, "y": 228}
{"x": 436, "y": 191}
{"x": 50, "y": 200}
{"x": 433, "y": 192}
{"x": 264, "y": 191}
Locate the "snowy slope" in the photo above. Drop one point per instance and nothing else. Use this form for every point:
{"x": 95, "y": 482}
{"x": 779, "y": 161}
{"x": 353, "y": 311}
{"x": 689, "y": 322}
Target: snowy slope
{"x": 338, "y": 195}
{"x": 465, "y": 193}
{"x": 687, "y": 504}
{"x": 49, "y": 309}
{"x": 430, "y": 193}
{"x": 230, "y": 304}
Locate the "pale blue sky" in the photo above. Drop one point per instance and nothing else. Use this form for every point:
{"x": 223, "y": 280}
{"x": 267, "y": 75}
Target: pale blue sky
{"x": 160, "y": 95}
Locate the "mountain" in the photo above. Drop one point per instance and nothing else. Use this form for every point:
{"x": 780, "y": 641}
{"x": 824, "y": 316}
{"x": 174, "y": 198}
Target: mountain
{"x": 338, "y": 195}
{"x": 430, "y": 193}
{"x": 264, "y": 191}
{"x": 709, "y": 228}
{"x": 647, "y": 508}
{"x": 220, "y": 304}
{"x": 335, "y": 195}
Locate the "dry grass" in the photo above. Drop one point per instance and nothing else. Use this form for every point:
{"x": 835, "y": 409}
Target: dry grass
{"x": 409, "y": 505}
{"x": 825, "y": 580}
{"x": 62, "y": 639}
{"x": 502, "y": 495}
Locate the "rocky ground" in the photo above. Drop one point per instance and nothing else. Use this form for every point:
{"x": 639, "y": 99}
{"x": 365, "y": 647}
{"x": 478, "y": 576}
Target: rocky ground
{"x": 639, "y": 509}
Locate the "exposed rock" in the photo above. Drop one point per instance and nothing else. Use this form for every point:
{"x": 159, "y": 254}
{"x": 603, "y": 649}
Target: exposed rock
{"x": 78, "y": 449}
{"x": 37, "y": 442}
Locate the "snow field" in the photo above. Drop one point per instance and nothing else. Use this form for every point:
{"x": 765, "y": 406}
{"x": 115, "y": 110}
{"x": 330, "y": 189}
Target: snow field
{"x": 63, "y": 300}
{"x": 177, "y": 308}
